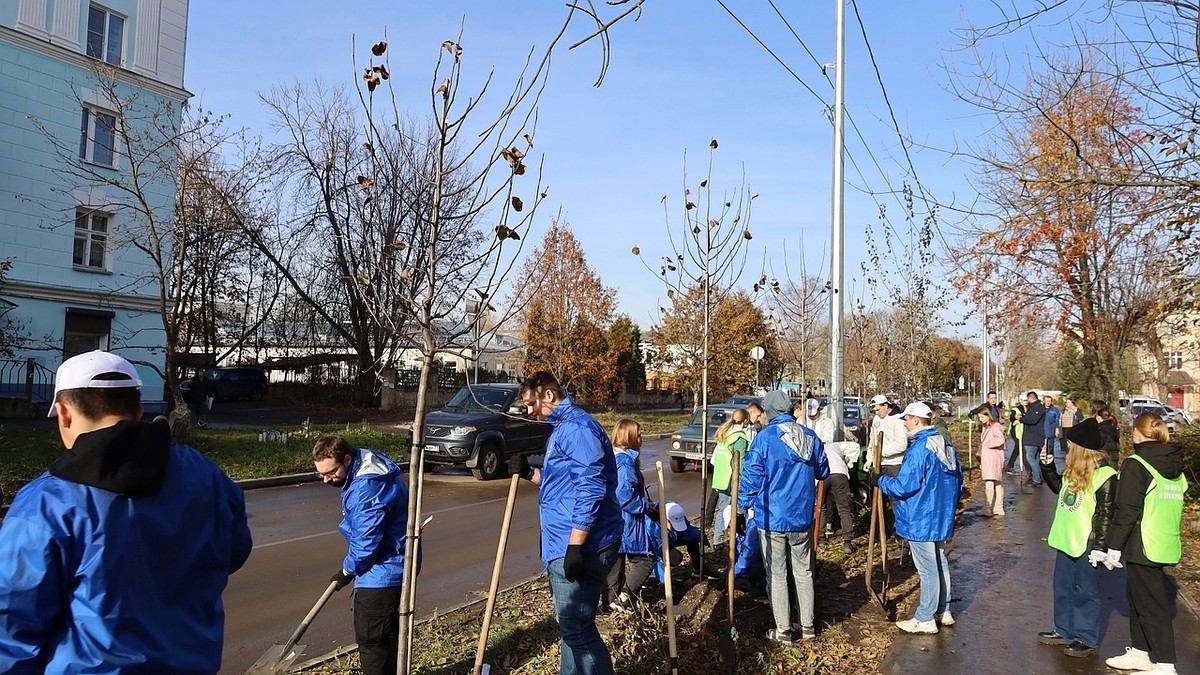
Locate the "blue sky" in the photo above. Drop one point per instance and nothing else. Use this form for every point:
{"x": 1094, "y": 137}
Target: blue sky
{"x": 683, "y": 74}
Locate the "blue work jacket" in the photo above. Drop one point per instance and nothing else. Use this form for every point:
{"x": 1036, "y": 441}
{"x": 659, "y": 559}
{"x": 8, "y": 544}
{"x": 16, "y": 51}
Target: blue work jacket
{"x": 926, "y": 489}
{"x": 374, "y": 520}
{"x": 631, "y": 493}
{"x": 784, "y": 461}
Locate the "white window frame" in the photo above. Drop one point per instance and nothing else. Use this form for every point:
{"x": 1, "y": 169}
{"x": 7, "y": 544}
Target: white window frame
{"x": 105, "y": 36}
{"x": 90, "y": 236}
{"x": 88, "y": 145}
{"x": 1174, "y": 360}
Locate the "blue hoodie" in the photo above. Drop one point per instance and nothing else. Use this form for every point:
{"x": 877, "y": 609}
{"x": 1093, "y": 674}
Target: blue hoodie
{"x": 578, "y": 487}
{"x": 374, "y": 520}
{"x": 926, "y": 489}
{"x": 784, "y": 461}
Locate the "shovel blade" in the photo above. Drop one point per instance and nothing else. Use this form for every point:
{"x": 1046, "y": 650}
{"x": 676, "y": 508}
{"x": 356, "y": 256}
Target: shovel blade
{"x": 275, "y": 662}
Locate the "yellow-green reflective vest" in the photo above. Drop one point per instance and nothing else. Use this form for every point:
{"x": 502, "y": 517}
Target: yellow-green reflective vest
{"x": 1162, "y": 512}
{"x": 1072, "y": 526}
{"x": 722, "y": 458}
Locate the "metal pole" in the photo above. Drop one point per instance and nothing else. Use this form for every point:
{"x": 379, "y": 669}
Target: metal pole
{"x": 987, "y": 369}
{"x": 838, "y": 223}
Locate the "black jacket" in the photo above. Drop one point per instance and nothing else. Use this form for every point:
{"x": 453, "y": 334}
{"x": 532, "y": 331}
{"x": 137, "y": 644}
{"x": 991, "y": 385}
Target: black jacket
{"x": 1034, "y": 434}
{"x": 1125, "y": 534}
{"x": 1105, "y": 503}
{"x": 1110, "y": 441}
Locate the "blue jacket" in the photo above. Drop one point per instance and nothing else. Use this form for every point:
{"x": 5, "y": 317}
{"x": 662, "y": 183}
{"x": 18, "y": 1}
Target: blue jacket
{"x": 631, "y": 493}
{"x": 777, "y": 480}
{"x": 374, "y": 520}
{"x": 578, "y": 486}
{"x": 926, "y": 489}
{"x": 114, "y": 560}
{"x": 1033, "y": 419}
{"x": 1052, "y": 422}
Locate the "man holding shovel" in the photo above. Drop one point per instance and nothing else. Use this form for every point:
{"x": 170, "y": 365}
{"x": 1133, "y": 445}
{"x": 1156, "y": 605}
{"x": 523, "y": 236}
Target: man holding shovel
{"x": 115, "y": 559}
{"x": 374, "y": 523}
{"x": 581, "y": 519}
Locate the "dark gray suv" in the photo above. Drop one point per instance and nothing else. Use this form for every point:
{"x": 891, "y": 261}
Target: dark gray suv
{"x": 481, "y": 427}
{"x": 231, "y": 383}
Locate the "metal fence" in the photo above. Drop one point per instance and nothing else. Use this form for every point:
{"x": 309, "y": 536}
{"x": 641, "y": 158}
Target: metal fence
{"x": 26, "y": 379}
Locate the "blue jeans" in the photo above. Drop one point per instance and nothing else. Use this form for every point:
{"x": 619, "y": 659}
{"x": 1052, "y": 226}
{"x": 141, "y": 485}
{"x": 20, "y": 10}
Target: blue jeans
{"x": 930, "y": 560}
{"x": 1058, "y": 449}
{"x": 719, "y": 524}
{"x": 781, "y": 550}
{"x": 1077, "y": 599}
{"x": 1035, "y": 465}
{"x": 583, "y": 652}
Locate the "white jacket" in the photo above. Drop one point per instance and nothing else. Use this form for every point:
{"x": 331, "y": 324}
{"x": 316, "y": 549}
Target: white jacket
{"x": 895, "y": 438}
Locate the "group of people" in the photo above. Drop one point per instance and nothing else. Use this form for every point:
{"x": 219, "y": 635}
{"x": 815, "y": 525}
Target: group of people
{"x": 1115, "y": 515}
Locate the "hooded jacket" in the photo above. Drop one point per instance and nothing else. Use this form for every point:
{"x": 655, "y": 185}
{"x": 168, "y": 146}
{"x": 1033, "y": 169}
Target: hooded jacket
{"x": 116, "y": 558}
{"x": 631, "y": 493}
{"x": 1125, "y": 533}
{"x": 578, "y": 487}
{"x": 926, "y": 489}
{"x": 374, "y": 520}
{"x": 777, "y": 481}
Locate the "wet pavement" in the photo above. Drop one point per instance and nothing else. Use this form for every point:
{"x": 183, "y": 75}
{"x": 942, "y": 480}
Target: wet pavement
{"x": 1001, "y": 575}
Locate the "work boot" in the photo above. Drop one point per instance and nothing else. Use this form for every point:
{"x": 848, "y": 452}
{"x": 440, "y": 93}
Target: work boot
{"x": 1078, "y": 649}
{"x": 847, "y": 547}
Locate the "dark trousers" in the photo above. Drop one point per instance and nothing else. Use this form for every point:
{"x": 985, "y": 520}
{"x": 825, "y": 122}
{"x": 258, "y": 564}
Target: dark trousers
{"x": 1077, "y": 599}
{"x": 628, "y": 574}
{"x": 377, "y": 628}
{"x": 1149, "y": 616}
{"x": 838, "y": 494}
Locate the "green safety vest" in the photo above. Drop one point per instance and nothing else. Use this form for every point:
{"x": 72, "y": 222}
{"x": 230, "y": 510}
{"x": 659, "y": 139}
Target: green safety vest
{"x": 1162, "y": 512}
{"x": 722, "y": 459}
{"x": 1072, "y": 526}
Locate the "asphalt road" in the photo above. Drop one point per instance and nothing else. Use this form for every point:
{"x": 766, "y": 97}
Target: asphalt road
{"x": 297, "y": 548}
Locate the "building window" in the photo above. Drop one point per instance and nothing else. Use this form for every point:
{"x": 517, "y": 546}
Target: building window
{"x": 85, "y": 331}
{"x": 1174, "y": 360}
{"x": 97, "y": 137}
{"x": 91, "y": 240}
{"x": 105, "y": 33}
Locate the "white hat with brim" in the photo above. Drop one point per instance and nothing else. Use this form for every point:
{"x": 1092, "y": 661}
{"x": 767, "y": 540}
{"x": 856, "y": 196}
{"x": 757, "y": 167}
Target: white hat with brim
{"x": 94, "y": 370}
{"x": 917, "y": 409}
{"x": 677, "y": 517}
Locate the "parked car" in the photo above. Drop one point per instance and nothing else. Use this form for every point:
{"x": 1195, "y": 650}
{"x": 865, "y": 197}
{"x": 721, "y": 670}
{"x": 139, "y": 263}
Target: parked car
{"x": 743, "y": 400}
{"x": 235, "y": 382}
{"x": 1182, "y": 417}
{"x": 481, "y": 427}
{"x": 853, "y": 417}
{"x": 1135, "y": 409}
{"x": 685, "y": 443}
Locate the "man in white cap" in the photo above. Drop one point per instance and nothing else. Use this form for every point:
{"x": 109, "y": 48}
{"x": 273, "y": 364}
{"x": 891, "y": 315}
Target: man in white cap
{"x": 119, "y": 553}
{"x": 888, "y": 427}
{"x": 925, "y": 492}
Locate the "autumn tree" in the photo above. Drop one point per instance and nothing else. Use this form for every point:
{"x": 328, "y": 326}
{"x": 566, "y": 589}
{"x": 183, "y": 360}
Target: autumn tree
{"x": 1075, "y": 249}
{"x": 566, "y": 311}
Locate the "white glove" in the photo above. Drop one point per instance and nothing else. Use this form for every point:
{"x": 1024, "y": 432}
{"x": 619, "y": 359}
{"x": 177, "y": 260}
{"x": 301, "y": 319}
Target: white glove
{"x": 1113, "y": 560}
{"x": 1097, "y": 556}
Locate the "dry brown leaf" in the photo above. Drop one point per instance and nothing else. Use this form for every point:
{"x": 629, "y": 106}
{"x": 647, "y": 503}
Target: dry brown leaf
{"x": 517, "y": 204}
{"x": 379, "y": 48}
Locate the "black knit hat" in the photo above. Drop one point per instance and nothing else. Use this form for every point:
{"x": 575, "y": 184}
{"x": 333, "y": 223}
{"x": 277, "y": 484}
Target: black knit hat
{"x": 1086, "y": 434}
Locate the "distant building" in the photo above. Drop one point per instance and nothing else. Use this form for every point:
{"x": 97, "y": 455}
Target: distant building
{"x": 1180, "y": 337}
{"x": 76, "y": 284}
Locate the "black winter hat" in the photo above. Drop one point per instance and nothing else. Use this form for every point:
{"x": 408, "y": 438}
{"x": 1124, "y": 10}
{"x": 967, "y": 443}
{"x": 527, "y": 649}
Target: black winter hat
{"x": 1086, "y": 434}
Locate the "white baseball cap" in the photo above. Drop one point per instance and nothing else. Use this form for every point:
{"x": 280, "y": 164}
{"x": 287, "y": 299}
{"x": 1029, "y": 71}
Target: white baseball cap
{"x": 879, "y": 399}
{"x": 812, "y": 407}
{"x": 917, "y": 409}
{"x": 677, "y": 516}
{"x": 94, "y": 370}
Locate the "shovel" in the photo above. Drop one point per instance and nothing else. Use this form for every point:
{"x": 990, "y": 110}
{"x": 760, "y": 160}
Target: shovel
{"x": 279, "y": 657}
{"x": 666, "y": 554}
{"x": 877, "y": 528}
{"x": 727, "y": 646}
{"x": 480, "y": 667}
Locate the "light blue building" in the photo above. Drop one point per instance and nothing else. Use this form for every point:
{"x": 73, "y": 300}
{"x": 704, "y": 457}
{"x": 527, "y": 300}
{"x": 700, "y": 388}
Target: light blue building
{"x": 78, "y": 281}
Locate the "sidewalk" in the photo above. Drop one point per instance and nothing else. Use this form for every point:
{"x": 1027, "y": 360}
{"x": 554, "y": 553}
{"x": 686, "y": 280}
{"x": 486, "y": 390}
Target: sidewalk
{"x": 1001, "y": 576}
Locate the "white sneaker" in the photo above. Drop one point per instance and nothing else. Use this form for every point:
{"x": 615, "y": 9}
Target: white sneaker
{"x": 1132, "y": 659}
{"x": 914, "y": 626}
{"x": 1161, "y": 668}
{"x": 946, "y": 619}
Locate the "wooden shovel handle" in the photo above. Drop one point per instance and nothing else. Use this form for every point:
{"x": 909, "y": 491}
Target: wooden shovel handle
{"x": 491, "y": 601}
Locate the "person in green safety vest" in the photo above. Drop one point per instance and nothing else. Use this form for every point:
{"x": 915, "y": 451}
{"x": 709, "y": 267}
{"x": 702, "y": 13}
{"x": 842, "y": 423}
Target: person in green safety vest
{"x": 1145, "y": 538}
{"x": 732, "y": 437}
{"x": 1086, "y": 492}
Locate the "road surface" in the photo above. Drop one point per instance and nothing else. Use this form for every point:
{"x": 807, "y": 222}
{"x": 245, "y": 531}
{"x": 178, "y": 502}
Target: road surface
{"x": 297, "y": 548}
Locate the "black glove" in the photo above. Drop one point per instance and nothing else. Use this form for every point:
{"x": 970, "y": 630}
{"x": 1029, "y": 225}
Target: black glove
{"x": 518, "y": 465}
{"x": 652, "y": 511}
{"x": 573, "y": 562}
{"x": 341, "y": 579}
{"x": 739, "y": 524}
{"x": 872, "y": 479}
